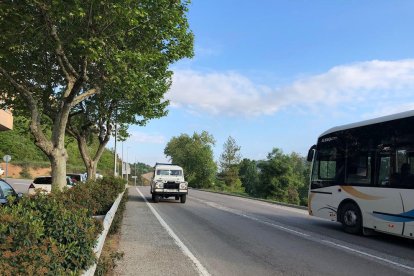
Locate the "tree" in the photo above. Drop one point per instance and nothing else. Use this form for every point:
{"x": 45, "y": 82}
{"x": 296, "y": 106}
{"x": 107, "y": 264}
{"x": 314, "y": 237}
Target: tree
{"x": 301, "y": 172}
{"x": 283, "y": 177}
{"x": 249, "y": 176}
{"x": 229, "y": 161}
{"x": 57, "y": 55}
{"x": 195, "y": 155}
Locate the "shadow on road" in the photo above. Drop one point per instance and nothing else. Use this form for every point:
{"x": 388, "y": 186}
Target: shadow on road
{"x": 137, "y": 198}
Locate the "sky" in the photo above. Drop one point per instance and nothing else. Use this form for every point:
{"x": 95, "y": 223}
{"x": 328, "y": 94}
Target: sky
{"x": 276, "y": 74}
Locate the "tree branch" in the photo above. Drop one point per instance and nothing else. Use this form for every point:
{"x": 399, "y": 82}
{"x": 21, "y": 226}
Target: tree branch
{"x": 85, "y": 95}
{"x": 63, "y": 61}
{"x": 37, "y": 132}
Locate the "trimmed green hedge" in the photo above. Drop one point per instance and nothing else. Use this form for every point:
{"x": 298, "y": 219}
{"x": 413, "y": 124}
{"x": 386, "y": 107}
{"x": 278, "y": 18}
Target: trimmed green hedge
{"x": 55, "y": 234}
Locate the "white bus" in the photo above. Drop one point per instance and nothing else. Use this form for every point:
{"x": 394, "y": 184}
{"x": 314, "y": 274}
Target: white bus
{"x": 363, "y": 175}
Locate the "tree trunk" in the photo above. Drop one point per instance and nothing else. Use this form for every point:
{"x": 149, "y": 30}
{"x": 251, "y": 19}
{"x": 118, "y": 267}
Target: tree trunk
{"x": 91, "y": 164}
{"x": 91, "y": 168}
{"x": 58, "y": 160}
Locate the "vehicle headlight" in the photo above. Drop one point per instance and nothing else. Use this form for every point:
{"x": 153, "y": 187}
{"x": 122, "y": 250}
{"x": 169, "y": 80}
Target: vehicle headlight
{"x": 159, "y": 185}
{"x": 183, "y": 185}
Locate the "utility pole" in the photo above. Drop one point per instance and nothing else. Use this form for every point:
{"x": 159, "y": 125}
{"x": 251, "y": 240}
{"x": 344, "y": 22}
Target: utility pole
{"x": 115, "y": 157}
{"x": 122, "y": 170}
{"x": 135, "y": 170}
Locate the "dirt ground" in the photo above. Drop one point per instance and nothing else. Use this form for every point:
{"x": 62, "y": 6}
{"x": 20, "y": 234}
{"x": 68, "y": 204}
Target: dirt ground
{"x": 14, "y": 171}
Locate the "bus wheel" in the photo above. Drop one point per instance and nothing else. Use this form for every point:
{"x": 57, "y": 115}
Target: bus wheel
{"x": 351, "y": 218}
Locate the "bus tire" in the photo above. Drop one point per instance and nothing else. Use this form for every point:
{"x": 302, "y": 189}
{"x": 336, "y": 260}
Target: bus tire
{"x": 351, "y": 218}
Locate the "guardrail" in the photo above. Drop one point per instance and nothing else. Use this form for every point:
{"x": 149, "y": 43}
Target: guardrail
{"x": 101, "y": 238}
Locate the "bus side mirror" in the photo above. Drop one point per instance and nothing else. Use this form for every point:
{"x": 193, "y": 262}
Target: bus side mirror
{"x": 311, "y": 153}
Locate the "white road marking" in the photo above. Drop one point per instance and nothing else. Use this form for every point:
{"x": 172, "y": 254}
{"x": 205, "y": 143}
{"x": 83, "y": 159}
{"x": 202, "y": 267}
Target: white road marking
{"x": 314, "y": 238}
{"x": 239, "y": 213}
{"x": 368, "y": 255}
{"x": 201, "y": 269}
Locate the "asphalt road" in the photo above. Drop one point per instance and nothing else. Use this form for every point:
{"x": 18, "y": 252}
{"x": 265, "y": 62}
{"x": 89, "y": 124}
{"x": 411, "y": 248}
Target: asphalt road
{"x": 19, "y": 185}
{"x": 224, "y": 235}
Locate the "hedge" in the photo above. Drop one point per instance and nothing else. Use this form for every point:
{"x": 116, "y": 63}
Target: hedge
{"x": 54, "y": 234}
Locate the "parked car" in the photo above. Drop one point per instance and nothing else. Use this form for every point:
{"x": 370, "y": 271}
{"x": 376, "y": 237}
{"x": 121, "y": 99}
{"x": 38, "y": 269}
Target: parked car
{"x": 45, "y": 184}
{"x": 77, "y": 177}
{"x": 7, "y": 190}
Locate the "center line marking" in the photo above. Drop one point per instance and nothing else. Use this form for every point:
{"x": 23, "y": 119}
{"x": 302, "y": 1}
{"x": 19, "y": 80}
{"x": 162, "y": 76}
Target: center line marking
{"x": 201, "y": 269}
{"x": 313, "y": 238}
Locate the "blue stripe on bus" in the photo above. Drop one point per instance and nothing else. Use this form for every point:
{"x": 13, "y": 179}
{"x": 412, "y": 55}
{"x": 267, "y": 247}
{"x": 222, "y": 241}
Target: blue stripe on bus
{"x": 403, "y": 217}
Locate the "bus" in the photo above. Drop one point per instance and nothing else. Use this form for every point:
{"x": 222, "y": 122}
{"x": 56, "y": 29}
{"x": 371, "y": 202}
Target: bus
{"x": 363, "y": 175}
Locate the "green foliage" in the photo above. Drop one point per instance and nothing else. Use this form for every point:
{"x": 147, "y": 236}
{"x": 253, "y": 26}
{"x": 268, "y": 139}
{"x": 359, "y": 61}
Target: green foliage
{"x": 195, "y": 155}
{"x": 140, "y": 168}
{"x": 19, "y": 143}
{"x": 109, "y": 257}
{"x": 55, "y": 234}
{"x": 229, "y": 163}
{"x": 108, "y": 263}
{"x": 87, "y": 64}
{"x": 94, "y": 196}
{"x": 40, "y": 235}
{"x": 280, "y": 178}
{"x": 25, "y": 172}
{"x": 249, "y": 176}
{"x": 119, "y": 215}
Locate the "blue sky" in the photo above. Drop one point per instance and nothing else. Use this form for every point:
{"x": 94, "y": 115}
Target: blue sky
{"x": 278, "y": 73}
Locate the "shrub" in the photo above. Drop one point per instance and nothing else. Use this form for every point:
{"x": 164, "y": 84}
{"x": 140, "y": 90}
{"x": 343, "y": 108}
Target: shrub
{"x": 96, "y": 197}
{"x": 40, "y": 235}
{"x": 116, "y": 222}
{"x": 55, "y": 234}
{"x": 25, "y": 172}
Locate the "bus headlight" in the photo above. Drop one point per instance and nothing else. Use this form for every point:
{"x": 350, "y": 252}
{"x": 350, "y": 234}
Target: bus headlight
{"x": 183, "y": 185}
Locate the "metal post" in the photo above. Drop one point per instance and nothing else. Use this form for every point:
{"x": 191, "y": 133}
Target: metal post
{"x": 115, "y": 157}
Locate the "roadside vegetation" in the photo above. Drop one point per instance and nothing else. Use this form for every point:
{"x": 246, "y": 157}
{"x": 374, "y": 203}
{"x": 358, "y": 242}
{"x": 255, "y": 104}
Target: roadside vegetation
{"x": 55, "y": 234}
{"x": 280, "y": 177}
{"x": 19, "y": 143}
{"x": 88, "y": 70}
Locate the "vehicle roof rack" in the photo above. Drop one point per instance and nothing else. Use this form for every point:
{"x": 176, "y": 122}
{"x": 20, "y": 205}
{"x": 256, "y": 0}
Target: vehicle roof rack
{"x": 170, "y": 164}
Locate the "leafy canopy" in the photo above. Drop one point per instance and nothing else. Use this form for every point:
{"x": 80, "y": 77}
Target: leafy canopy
{"x": 195, "y": 155}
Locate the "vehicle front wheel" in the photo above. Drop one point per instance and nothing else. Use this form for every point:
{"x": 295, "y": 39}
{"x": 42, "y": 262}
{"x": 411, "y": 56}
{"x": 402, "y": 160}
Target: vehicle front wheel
{"x": 183, "y": 198}
{"x": 351, "y": 218}
{"x": 157, "y": 198}
{"x": 177, "y": 197}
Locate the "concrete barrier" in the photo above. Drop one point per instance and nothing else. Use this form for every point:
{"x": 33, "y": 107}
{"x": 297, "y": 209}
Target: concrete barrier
{"x": 101, "y": 238}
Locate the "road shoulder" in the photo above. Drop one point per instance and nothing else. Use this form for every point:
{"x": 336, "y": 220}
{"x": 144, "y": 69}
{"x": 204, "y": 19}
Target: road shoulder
{"x": 148, "y": 248}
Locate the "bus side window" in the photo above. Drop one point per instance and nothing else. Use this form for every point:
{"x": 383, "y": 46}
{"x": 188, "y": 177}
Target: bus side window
{"x": 359, "y": 169}
{"x": 384, "y": 171}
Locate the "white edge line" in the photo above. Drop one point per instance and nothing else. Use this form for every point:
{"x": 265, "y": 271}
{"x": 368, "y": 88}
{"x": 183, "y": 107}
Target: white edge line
{"x": 201, "y": 269}
{"x": 369, "y": 255}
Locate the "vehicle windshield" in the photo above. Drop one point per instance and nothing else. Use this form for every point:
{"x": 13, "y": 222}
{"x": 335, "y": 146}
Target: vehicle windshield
{"x": 6, "y": 188}
{"x": 170, "y": 172}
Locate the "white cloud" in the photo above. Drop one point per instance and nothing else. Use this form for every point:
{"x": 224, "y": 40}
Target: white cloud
{"x": 385, "y": 110}
{"x": 141, "y": 137}
{"x": 234, "y": 94}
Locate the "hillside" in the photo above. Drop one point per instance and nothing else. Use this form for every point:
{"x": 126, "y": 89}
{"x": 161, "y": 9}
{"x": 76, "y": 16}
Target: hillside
{"x": 20, "y": 145}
